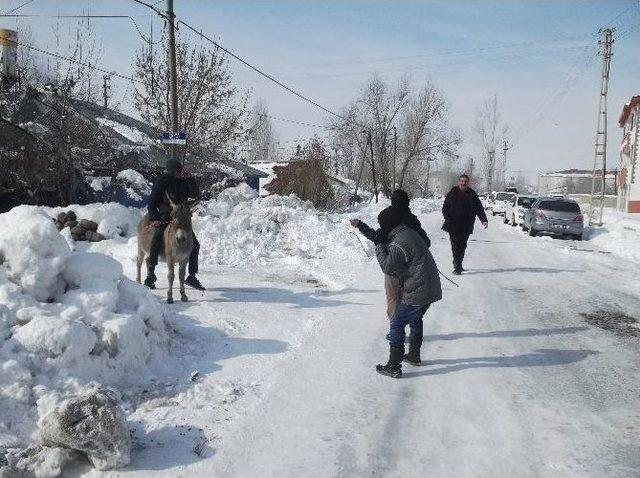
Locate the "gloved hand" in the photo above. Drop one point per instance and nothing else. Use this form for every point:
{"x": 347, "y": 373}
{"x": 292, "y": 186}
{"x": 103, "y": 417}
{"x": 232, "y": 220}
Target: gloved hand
{"x": 380, "y": 237}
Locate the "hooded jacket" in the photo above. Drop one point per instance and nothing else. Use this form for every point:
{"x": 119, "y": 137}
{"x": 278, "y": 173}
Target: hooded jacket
{"x": 406, "y": 257}
{"x": 460, "y": 210}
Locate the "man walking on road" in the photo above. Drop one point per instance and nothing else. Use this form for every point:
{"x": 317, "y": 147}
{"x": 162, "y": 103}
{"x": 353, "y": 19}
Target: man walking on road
{"x": 460, "y": 208}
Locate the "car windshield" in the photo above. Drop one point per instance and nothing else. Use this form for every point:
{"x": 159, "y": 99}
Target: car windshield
{"x": 504, "y": 196}
{"x": 560, "y": 206}
{"x": 525, "y": 201}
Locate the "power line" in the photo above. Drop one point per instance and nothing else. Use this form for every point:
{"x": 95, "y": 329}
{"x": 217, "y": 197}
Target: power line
{"x": 267, "y": 76}
{"x": 451, "y": 52}
{"x": 19, "y": 7}
{"x": 134, "y": 80}
{"x": 85, "y": 16}
{"x": 72, "y": 60}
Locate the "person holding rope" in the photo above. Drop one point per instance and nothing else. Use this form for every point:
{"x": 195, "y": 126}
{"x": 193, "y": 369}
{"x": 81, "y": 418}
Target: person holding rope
{"x": 400, "y": 200}
{"x": 403, "y": 254}
{"x": 181, "y": 186}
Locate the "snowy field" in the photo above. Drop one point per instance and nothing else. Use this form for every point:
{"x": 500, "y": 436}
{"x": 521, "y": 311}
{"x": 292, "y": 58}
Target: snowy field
{"x": 530, "y": 366}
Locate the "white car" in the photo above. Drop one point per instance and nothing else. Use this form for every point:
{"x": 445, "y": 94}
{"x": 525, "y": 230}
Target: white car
{"x": 500, "y": 202}
{"x": 514, "y": 212}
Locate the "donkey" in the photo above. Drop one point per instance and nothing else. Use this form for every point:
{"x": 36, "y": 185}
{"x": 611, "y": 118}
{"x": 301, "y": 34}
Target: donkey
{"x": 177, "y": 244}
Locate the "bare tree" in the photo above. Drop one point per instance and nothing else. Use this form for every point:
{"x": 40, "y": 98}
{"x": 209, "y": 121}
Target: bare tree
{"x": 489, "y": 131}
{"x": 262, "y": 144}
{"x": 210, "y": 108}
{"x": 407, "y": 128}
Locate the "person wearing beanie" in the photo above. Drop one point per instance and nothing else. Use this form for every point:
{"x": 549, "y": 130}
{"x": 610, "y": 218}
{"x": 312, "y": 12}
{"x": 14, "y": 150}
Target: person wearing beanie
{"x": 399, "y": 200}
{"x": 460, "y": 208}
{"x": 403, "y": 254}
{"x": 181, "y": 186}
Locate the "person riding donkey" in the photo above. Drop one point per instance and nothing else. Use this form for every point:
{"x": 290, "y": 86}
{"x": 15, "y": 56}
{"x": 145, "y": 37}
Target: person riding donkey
{"x": 178, "y": 184}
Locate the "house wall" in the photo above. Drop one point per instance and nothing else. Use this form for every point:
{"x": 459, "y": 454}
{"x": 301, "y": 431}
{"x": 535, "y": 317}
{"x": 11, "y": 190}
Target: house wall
{"x": 629, "y": 180}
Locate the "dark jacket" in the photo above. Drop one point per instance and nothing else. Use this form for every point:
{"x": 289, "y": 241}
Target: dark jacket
{"x": 409, "y": 219}
{"x": 180, "y": 189}
{"x": 406, "y": 257}
{"x": 460, "y": 210}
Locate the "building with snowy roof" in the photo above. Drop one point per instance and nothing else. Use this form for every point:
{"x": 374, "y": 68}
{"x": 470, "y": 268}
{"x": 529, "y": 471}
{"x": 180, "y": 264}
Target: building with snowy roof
{"x": 573, "y": 181}
{"x": 628, "y": 180}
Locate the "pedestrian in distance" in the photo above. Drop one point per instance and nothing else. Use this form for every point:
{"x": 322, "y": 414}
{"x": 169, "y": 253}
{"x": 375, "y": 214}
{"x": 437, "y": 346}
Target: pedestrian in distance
{"x": 404, "y": 255}
{"x": 181, "y": 186}
{"x": 460, "y": 208}
{"x": 400, "y": 200}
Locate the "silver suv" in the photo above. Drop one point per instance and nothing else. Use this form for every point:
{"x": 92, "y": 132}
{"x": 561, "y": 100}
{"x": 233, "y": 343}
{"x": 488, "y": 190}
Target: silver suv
{"x": 555, "y": 216}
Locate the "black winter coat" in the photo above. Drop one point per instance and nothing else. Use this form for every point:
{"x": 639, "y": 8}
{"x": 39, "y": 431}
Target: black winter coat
{"x": 460, "y": 210}
{"x": 409, "y": 219}
{"x": 180, "y": 189}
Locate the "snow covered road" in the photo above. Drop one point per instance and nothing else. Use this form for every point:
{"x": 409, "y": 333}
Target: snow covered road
{"x": 528, "y": 370}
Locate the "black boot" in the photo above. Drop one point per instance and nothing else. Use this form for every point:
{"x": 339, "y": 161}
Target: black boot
{"x": 413, "y": 357}
{"x": 394, "y": 366}
{"x": 192, "y": 281}
{"x": 150, "y": 281}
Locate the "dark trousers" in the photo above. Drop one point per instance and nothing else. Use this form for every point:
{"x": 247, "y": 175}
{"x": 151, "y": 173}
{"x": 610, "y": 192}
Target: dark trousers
{"x": 404, "y": 315}
{"x": 458, "y": 246}
{"x": 156, "y": 245}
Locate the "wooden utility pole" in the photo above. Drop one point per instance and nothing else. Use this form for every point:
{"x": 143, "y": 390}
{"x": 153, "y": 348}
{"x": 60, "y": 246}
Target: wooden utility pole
{"x": 505, "y": 148}
{"x": 105, "y": 89}
{"x": 395, "y": 150}
{"x": 173, "y": 76}
{"x": 373, "y": 166}
{"x": 598, "y": 180}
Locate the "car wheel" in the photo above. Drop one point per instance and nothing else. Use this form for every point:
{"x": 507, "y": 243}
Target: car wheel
{"x": 577, "y": 237}
{"x": 505, "y": 220}
{"x": 513, "y": 221}
{"x": 532, "y": 231}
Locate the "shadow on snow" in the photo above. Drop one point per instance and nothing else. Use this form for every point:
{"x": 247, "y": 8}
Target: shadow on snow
{"x": 505, "y": 333}
{"x": 540, "y": 358}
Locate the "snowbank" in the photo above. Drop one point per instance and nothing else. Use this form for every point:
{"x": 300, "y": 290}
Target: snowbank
{"x": 114, "y": 220}
{"x": 241, "y": 228}
{"x": 620, "y": 234}
{"x": 67, "y": 320}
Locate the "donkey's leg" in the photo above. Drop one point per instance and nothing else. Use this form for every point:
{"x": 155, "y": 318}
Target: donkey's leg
{"x": 139, "y": 261}
{"x": 171, "y": 273}
{"x": 181, "y": 272}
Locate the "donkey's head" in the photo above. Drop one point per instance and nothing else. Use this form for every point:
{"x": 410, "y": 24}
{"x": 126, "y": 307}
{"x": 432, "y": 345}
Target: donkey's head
{"x": 181, "y": 220}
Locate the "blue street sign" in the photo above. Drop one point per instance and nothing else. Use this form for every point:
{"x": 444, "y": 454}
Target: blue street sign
{"x": 174, "y": 138}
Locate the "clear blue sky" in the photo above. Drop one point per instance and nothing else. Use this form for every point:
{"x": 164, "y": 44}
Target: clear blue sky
{"x": 538, "y": 56}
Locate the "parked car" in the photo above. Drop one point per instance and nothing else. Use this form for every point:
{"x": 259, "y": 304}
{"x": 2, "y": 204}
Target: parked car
{"x": 514, "y": 212}
{"x": 500, "y": 202}
{"x": 555, "y": 216}
{"x": 511, "y": 190}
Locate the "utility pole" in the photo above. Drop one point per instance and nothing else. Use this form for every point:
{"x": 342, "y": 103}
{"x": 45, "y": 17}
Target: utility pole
{"x": 598, "y": 180}
{"x": 395, "y": 150}
{"x": 373, "y": 166}
{"x": 505, "y": 147}
{"x": 490, "y": 171}
{"x": 105, "y": 89}
{"x": 173, "y": 81}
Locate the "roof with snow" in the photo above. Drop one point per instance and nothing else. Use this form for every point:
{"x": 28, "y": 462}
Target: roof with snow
{"x": 626, "y": 109}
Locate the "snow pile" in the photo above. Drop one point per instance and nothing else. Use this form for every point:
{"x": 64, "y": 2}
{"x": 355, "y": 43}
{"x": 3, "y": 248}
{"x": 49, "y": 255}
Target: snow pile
{"x": 620, "y": 234}
{"x": 241, "y": 228}
{"x": 67, "y": 321}
{"x": 114, "y": 220}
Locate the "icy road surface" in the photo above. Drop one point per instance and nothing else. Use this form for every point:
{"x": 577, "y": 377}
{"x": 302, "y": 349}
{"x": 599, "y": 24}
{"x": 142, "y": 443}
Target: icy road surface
{"x": 530, "y": 368}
